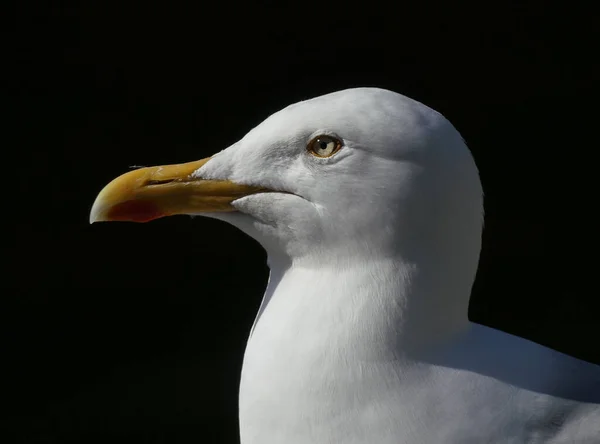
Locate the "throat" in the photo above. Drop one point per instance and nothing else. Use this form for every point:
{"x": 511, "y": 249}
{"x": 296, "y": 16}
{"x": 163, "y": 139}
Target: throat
{"x": 384, "y": 310}
{"x": 334, "y": 345}
{"x": 326, "y": 339}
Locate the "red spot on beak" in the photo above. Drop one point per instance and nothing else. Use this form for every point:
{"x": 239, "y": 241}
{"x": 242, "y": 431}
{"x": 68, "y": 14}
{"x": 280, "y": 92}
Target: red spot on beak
{"x": 135, "y": 211}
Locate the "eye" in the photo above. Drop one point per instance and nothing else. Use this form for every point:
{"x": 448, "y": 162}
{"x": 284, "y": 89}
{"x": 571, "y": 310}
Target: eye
{"x": 324, "y": 146}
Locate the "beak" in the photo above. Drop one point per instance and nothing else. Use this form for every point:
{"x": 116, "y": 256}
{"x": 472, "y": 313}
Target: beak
{"x": 150, "y": 193}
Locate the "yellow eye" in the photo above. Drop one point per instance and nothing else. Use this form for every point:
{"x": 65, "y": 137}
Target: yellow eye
{"x": 324, "y": 146}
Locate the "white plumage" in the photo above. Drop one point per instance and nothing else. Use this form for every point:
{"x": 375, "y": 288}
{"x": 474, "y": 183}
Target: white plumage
{"x": 363, "y": 334}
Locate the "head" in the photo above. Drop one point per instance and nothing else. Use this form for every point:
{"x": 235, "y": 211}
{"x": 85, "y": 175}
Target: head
{"x": 362, "y": 173}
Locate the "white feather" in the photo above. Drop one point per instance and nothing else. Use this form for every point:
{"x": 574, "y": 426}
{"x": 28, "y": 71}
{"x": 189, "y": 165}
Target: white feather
{"x": 363, "y": 335}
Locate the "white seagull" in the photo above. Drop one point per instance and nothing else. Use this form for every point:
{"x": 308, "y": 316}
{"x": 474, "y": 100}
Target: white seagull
{"x": 370, "y": 208}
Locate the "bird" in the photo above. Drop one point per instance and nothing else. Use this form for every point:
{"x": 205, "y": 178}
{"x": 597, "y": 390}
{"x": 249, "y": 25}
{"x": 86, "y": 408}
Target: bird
{"x": 370, "y": 208}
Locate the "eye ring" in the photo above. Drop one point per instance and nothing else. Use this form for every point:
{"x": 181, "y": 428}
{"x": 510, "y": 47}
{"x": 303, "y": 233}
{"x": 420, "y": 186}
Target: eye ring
{"x": 324, "y": 146}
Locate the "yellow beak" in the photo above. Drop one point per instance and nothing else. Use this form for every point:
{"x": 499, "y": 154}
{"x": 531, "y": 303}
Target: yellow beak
{"x": 149, "y": 193}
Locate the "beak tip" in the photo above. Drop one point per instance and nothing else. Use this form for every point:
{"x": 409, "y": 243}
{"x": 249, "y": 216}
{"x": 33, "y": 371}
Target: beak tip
{"x": 94, "y": 216}
{"x": 96, "y": 212}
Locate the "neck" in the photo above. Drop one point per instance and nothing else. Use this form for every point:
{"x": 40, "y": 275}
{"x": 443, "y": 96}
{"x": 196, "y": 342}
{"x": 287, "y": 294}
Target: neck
{"x": 376, "y": 308}
{"x": 327, "y": 337}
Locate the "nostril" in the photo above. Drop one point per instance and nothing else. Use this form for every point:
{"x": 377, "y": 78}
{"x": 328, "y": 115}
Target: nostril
{"x": 159, "y": 182}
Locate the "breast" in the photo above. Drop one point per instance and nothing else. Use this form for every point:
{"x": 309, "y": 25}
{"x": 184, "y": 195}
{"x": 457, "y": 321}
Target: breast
{"x": 294, "y": 393}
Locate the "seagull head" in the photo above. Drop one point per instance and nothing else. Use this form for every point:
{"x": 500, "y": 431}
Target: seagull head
{"x": 362, "y": 173}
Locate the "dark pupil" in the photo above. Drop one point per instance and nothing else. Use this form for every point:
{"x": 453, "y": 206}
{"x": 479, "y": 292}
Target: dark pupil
{"x": 322, "y": 144}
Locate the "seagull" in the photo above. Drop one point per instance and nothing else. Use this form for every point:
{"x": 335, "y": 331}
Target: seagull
{"x": 370, "y": 208}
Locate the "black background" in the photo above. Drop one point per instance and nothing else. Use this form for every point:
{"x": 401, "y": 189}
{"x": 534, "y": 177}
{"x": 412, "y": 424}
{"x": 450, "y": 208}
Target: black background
{"x": 136, "y": 331}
